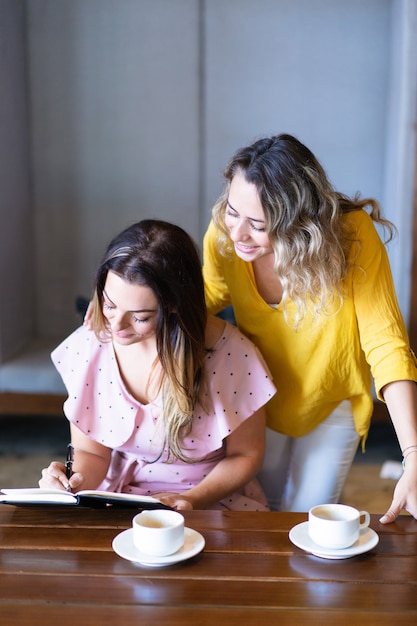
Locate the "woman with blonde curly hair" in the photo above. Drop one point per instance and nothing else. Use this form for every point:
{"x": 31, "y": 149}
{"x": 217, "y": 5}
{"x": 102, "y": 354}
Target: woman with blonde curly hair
{"x": 163, "y": 400}
{"x": 310, "y": 284}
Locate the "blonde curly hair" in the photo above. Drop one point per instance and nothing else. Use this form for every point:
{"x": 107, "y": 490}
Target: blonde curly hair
{"x": 303, "y": 219}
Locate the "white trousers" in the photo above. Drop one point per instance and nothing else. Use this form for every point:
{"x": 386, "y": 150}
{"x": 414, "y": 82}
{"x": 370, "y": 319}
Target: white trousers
{"x": 298, "y": 473}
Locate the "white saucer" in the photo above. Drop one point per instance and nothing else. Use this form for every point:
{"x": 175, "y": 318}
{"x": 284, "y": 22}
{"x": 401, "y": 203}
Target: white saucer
{"x": 299, "y": 536}
{"x": 123, "y": 546}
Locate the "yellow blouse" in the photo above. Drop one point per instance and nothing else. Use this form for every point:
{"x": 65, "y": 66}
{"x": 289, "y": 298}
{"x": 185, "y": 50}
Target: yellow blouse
{"x": 327, "y": 359}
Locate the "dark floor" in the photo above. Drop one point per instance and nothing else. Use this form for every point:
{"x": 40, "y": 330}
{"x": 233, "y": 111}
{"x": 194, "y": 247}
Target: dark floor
{"x": 381, "y": 444}
{"x": 28, "y": 444}
{"x": 22, "y": 436}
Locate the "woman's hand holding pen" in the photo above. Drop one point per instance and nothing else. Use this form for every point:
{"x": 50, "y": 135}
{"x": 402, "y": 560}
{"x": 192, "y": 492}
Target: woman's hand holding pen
{"x": 55, "y": 477}
{"x": 59, "y": 473}
{"x": 60, "y": 476}
{"x": 91, "y": 461}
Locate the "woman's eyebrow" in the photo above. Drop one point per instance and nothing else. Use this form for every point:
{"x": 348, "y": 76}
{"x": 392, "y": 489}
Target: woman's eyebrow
{"x": 138, "y": 311}
{"x": 107, "y": 296}
{"x": 251, "y": 219}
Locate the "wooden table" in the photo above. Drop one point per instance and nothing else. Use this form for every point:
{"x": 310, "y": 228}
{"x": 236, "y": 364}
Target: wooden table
{"x": 57, "y": 567}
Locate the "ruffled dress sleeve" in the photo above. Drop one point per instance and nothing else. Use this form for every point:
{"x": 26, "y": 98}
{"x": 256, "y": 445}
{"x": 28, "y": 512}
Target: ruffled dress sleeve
{"x": 98, "y": 403}
{"x": 238, "y": 384}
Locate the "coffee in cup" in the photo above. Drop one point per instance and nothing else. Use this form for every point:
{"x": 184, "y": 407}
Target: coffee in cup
{"x": 158, "y": 532}
{"x": 336, "y": 526}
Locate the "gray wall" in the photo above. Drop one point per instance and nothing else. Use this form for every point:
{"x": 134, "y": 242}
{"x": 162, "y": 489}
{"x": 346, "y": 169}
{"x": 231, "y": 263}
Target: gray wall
{"x": 17, "y": 276}
{"x": 136, "y": 105}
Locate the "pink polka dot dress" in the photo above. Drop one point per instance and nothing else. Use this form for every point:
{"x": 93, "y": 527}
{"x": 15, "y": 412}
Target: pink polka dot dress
{"x": 98, "y": 403}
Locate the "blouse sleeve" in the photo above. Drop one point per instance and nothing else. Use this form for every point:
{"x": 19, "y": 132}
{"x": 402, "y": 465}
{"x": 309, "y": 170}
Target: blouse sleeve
{"x": 215, "y": 287}
{"x": 238, "y": 384}
{"x": 383, "y": 335}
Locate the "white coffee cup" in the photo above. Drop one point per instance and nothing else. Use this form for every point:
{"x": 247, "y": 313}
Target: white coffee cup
{"x": 158, "y": 532}
{"x": 336, "y": 526}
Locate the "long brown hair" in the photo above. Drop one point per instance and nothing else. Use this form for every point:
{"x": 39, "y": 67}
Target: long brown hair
{"x": 163, "y": 257}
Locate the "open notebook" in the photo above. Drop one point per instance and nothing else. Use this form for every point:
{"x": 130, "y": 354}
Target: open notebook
{"x": 89, "y": 498}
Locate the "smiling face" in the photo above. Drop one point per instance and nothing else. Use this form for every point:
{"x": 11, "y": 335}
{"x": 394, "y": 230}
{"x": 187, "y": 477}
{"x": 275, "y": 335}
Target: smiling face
{"x": 245, "y": 220}
{"x": 130, "y": 309}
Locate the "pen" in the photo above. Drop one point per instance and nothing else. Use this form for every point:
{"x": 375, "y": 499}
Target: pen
{"x": 69, "y": 462}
